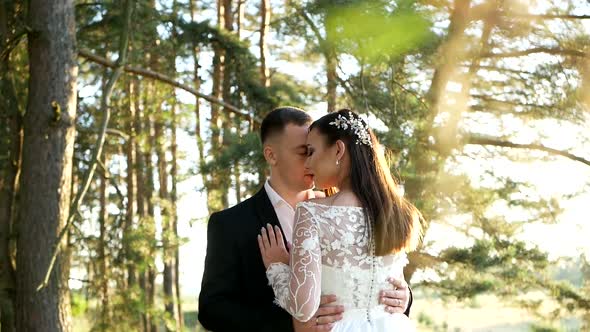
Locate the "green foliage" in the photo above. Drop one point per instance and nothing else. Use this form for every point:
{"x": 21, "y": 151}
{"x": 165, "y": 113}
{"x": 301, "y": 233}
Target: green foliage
{"x": 239, "y": 59}
{"x": 543, "y": 328}
{"x": 79, "y": 303}
{"x": 374, "y": 33}
{"x": 504, "y": 267}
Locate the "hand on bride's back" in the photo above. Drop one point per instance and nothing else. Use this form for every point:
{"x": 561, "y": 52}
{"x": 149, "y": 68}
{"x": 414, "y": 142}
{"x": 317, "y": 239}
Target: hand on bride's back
{"x": 272, "y": 247}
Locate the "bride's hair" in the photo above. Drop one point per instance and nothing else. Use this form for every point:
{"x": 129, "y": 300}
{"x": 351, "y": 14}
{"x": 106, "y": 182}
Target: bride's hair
{"x": 396, "y": 222}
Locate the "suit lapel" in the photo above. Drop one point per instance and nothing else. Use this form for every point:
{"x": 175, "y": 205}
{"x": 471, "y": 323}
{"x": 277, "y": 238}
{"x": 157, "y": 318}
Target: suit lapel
{"x": 265, "y": 211}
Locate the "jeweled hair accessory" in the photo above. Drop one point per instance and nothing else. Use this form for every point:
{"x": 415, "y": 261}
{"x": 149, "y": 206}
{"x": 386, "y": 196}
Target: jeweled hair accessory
{"x": 361, "y": 130}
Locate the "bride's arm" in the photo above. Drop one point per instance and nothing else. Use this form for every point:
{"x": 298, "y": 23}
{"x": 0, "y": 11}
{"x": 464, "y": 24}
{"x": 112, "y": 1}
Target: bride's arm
{"x": 297, "y": 288}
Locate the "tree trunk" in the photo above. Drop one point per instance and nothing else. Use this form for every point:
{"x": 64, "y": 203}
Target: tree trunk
{"x": 132, "y": 180}
{"x": 174, "y": 220}
{"x": 450, "y": 52}
{"x": 584, "y": 95}
{"x": 174, "y": 217}
{"x": 240, "y": 17}
{"x": 168, "y": 255}
{"x": 264, "y": 28}
{"x": 216, "y": 195}
{"x": 10, "y": 146}
{"x": 102, "y": 243}
{"x": 331, "y": 79}
{"x": 149, "y": 222}
{"x": 227, "y": 116}
{"x": 47, "y": 167}
{"x": 140, "y": 146}
{"x": 264, "y": 72}
{"x": 197, "y": 85}
{"x": 331, "y": 65}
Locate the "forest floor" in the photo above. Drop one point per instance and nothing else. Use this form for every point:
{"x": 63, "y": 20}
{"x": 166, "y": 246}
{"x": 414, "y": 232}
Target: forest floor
{"x": 482, "y": 314}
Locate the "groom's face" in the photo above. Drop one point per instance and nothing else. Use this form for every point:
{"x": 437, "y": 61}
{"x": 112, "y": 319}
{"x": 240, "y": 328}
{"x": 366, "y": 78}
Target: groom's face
{"x": 291, "y": 151}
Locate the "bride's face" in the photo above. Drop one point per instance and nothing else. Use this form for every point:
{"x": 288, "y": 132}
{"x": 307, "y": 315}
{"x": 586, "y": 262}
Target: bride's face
{"x": 321, "y": 160}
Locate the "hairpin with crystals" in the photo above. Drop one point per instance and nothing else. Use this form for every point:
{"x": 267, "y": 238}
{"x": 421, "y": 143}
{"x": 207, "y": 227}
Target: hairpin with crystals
{"x": 361, "y": 130}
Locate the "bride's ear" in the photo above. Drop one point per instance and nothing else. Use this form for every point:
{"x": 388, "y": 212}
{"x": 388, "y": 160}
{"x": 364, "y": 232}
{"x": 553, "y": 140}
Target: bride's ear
{"x": 340, "y": 149}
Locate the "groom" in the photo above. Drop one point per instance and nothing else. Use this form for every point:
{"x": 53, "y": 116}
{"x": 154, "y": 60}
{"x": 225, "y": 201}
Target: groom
{"x": 235, "y": 295}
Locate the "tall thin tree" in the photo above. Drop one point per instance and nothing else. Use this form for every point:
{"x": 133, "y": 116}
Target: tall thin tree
{"x": 47, "y": 167}
{"x": 10, "y": 145}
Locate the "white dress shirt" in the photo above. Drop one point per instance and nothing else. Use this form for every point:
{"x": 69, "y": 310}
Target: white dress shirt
{"x": 284, "y": 211}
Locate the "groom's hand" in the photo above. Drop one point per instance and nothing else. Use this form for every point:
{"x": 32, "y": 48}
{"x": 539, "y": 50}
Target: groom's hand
{"x": 395, "y": 299}
{"x": 324, "y": 319}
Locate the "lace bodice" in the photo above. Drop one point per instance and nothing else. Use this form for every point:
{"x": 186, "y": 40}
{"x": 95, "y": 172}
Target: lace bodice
{"x": 331, "y": 254}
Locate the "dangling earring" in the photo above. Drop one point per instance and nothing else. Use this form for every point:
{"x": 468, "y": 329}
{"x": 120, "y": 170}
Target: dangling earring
{"x": 337, "y": 162}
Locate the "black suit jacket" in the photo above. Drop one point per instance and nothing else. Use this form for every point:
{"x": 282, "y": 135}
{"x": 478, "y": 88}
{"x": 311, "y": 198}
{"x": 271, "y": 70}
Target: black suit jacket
{"x": 235, "y": 295}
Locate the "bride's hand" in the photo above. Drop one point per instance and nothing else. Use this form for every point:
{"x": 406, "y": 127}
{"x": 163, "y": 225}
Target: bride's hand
{"x": 312, "y": 194}
{"x": 272, "y": 246}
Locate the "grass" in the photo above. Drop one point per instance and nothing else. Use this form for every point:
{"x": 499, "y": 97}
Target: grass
{"x": 481, "y": 314}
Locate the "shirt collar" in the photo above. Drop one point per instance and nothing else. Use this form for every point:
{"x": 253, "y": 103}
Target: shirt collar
{"x": 274, "y": 197}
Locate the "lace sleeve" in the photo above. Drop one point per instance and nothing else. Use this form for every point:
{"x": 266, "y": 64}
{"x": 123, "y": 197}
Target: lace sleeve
{"x": 297, "y": 289}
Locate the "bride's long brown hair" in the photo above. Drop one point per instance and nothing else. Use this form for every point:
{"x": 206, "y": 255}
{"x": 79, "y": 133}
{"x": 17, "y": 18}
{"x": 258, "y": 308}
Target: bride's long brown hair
{"x": 396, "y": 222}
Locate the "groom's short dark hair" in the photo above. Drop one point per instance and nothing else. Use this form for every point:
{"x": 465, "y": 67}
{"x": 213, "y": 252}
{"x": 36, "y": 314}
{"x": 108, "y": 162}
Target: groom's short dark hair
{"x": 276, "y": 121}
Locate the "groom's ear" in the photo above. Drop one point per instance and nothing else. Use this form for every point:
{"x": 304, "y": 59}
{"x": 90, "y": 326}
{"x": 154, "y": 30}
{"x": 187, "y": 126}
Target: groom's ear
{"x": 269, "y": 155}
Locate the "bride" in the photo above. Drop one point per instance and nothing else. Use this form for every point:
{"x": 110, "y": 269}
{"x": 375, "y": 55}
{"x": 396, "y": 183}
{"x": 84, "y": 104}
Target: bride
{"x": 349, "y": 243}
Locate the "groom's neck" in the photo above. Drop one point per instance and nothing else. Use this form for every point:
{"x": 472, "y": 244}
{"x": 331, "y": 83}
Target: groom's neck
{"x": 292, "y": 197}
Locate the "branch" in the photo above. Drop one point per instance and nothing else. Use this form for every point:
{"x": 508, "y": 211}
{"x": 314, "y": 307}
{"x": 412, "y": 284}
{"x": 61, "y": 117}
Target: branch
{"x": 105, "y": 173}
{"x": 165, "y": 79}
{"x": 116, "y": 132}
{"x": 110, "y": 131}
{"x": 496, "y": 142}
{"x": 552, "y": 51}
{"x": 551, "y": 16}
{"x": 13, "y": 43}
{"x": 492, "y": 100}
{"x": 312, "y": 26}
{"x": 500, "y": 69}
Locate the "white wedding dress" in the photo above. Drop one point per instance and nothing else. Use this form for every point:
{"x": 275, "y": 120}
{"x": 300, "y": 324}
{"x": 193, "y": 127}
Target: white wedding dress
{"x": 331, "y": 254}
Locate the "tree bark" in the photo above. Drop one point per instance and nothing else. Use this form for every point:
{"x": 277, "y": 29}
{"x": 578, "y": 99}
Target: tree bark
{"x": 166, "y": 218}
{"x": 450, "y": 52}
{"x": 331, "y": 63}
{"x": 216, "y": 191}
{"x": 150, "y": 289}
{"x": 175, "y": 259}
{"x": 174, "y": 218}
{"x": 102, "y": 244}
{"x": 10, "y": 146}
{"x": 143, "y": 220}
{"x": 133, "y": 200}
{"x": 197, "y": 85}
{"x": 47, "y": 167}
{"x": 226, "y": 115}
{"x": 264, "y": 29}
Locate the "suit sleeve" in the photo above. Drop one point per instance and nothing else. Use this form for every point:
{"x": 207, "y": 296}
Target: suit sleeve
{"x": 407, "y": 313}
{"x": 221, "y": 303}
